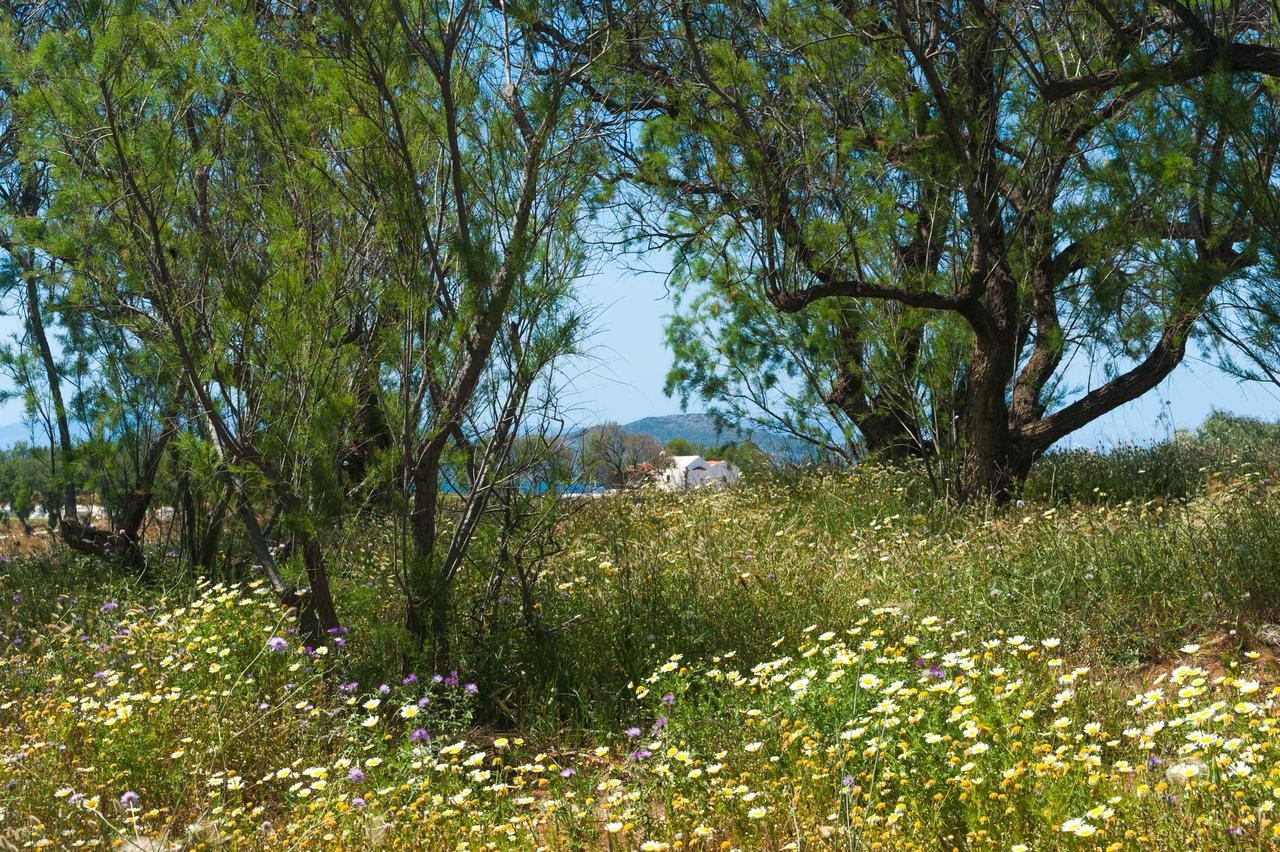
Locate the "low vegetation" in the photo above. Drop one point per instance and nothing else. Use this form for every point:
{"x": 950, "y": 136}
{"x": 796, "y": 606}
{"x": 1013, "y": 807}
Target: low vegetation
{"x": 817, "y": 660}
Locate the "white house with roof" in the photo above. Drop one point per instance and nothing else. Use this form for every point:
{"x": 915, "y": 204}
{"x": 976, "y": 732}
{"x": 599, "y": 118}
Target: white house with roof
{"x": 688, "y": 472}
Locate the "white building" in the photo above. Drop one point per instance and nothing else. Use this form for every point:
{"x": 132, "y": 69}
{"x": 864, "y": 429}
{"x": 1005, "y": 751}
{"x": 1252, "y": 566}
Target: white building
{"x": 696, "y": 472}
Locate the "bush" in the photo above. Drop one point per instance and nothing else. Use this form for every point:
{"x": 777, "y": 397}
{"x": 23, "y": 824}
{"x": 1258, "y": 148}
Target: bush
{"x": 902, "y": 664}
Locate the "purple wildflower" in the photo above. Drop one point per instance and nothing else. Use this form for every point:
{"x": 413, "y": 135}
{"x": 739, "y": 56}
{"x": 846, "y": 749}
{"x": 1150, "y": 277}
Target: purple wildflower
{"x": 409, "y": 678}
{"x": 568, "y": 773}
{"x": 129, "y": 800}
{"x": 668, "y": 699}
{"x": 384, "y": 689}
{"x": 419, "y": 735}
{"x": 356, "y": 775}
{"x": 471, "y": 689}
{"x": 633, "y": 731}
{"x": 358, "y": 802}
{"x": 277, "y": 644}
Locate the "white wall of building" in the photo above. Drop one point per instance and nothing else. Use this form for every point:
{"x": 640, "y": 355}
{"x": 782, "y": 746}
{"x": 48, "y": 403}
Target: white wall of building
{"x": 696, "y": 472}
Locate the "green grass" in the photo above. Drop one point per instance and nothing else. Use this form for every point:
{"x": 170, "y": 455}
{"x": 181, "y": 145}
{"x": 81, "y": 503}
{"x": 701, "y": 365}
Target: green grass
{"x": 683, "y": 630}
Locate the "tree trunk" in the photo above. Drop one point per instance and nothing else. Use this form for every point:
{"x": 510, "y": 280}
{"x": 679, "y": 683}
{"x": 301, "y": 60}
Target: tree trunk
{"x": 885, "y": 428}
{"x": 426, "y": 592}
{"x": 206, "y": 549}
{"x": 987, "y": 467}
{"x": 422, "y": 533}
{"x": 370, "y": 434}
{"x": 189, "y": 529}
{"x": 125, "y": 539}
{"x": 318, "y": 581}
{"x": 888, "y": 429}
{"x": 317, "y": 614}
{"x": 35, "y": 323}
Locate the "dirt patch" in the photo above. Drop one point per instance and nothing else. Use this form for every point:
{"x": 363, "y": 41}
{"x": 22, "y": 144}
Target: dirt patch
{"x": 15, "y": 543}
{"x": 1215, "y": 651}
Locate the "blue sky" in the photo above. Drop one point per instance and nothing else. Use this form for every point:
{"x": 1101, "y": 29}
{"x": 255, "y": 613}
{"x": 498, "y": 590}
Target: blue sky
{"x": 629, "y": 362}
{"x": 627, "y": 385}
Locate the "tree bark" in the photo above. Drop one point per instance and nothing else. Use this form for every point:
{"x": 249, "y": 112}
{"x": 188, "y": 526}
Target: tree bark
{"x": 35, "y": 324}
{"x": 888, "y": 426}
{"x": 984, "y": 466}
{"x": 426, "y": 607}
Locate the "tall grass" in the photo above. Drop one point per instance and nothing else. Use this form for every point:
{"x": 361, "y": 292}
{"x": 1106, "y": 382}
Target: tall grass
{"x": 607, "y": 732}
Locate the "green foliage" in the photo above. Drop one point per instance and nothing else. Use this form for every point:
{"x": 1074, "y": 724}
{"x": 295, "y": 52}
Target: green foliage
{"x": 746, "y": 456}
{"x": 1240, "y": 434}
{"x": 1223, "y": 447}
{"x": 21, "y": 501}
{"x": 661, "y": 609}
{"x": 682, "y": 447}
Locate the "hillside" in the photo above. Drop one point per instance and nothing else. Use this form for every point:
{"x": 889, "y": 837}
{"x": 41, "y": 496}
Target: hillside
{"x": 12, "y": 434}
{"x": 702, "y": 429}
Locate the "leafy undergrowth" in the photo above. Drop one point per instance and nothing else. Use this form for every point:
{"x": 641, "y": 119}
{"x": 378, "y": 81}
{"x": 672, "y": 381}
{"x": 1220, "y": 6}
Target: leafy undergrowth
{"x": 811, "y": 671}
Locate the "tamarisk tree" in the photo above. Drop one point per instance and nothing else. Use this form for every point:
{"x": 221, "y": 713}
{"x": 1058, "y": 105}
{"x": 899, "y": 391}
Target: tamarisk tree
{"x": 469, "y": 147}
{"x": 190, "y": 209}
{"x": 925, "y": 155}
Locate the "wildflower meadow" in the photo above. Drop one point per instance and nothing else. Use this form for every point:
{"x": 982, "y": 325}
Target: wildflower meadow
{"x": 820, "y": 661}
{"x": 345, "y": 504}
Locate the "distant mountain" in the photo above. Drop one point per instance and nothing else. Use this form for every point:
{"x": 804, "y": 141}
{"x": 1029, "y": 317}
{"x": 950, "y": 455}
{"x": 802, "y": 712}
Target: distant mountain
{"x": 696, "y": 428}
{"x": 702, "y": 429}
{"x": 17, "y": 433}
